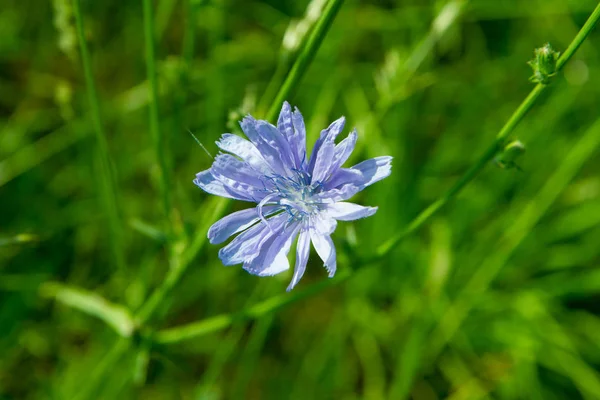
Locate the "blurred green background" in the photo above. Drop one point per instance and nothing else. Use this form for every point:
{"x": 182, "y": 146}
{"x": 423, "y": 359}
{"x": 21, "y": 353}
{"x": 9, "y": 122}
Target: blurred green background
{"x": 496, "y": 297}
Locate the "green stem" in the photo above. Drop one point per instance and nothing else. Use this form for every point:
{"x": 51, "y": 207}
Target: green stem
{"x": 275, "y": 82}
{"x": 493, "y": 149}
{"x": 96, "y": 376}
{"x": 160, "y": 144}
{"x": 108, "y": 187}
{"x": 467, "y": 177}
{"x": 287, "y": 57}
{"x": 580, "y": 38}
{"x": 219, "y": 322}
{"x": 179, "y": 265}
{"x": 305, "y": 57}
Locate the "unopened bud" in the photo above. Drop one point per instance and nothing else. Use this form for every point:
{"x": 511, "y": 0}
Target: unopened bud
{"x": 544, "y": 64}
{"x": 512, "y": 151}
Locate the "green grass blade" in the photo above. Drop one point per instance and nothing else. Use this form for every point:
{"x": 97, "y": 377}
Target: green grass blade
{"x": 159, "y": 140}
{"x": 305, "y": 58}
{"x": 108, "y": 186}
{"x": 116, "y": 316}
{"x": 95, "y": 377}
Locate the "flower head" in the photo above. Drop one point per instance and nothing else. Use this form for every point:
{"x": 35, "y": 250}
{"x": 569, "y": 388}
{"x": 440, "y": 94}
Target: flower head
{"x": 296, "y": 196}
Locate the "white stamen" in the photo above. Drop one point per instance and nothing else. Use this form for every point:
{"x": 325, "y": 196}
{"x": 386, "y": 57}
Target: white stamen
{"x": 260, "y": 206}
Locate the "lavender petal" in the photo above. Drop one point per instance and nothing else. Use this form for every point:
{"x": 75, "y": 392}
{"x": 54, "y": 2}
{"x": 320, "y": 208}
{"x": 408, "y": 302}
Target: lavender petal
{"x": 273, "y": 255}
{"x": 268, "y": 152}
{"x": 247, "y": 245}
{"x": 349, "y": 211}
{"x": 284, "y": 122}
{"x": 230, "y": 170}
{"x": 328, "y": 134}
{"x": 206, "y": 181}
{"x": 302, "y": 253}
{"x": 298, "y": 142}
{"x": 325, "y": 249}
{"x": 236, "y": 222}
{"x": 245, "y": 150}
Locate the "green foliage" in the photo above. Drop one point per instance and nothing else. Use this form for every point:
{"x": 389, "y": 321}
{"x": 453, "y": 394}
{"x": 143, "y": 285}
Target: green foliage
{"x": 470, "y": 282}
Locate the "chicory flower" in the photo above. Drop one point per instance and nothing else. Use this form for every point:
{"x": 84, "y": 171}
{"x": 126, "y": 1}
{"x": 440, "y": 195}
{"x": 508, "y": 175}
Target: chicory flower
{"x": 296, "y": 196}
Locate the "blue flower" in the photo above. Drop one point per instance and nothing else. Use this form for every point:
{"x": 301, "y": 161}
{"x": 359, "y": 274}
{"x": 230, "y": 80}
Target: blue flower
{"x": 295, "y": 196}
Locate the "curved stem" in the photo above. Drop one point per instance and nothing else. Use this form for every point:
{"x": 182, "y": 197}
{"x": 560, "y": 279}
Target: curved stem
{"x": 493, "y": 149}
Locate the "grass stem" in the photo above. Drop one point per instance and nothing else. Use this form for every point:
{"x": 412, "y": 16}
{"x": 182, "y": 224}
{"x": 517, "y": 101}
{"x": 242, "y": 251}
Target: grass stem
{"x": 306, "y": 57}
{"x": 107, "y": 182}
{"x": 160, "y": 142}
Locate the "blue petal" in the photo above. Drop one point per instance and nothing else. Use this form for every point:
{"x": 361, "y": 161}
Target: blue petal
{"x": 331, "y": 157}
{"x": 298, "y": 142}
{"x": 325, "y": 249}
{"x": 349, "y": 211}
{"x": 302, "y": 253}
{"x": 322, "y": 163}
{"x": 342, "y": 177}
{"x": 327, "y": 135}
{"x": 273, "y": 255}
{"x": 323, "y": 223}
{"x": 268, "y": 152}
{"x": 274, "y": 138}
{"x": 245, "y": 150}
{"x": 374, "y": 170}
{"x": 247, "y": 245}
{"x": 238, "y": 178}
{"x": 284, "y": 122}
{"x": 331, "y": 196}
{"x": 346, "y": 182}
{"x": 207, "y": 182}
{"x": 236, "y": 222}
{"x": 271, "y": 143}
{"x": 228, "y": 168}
{"x": 343, "y": 150}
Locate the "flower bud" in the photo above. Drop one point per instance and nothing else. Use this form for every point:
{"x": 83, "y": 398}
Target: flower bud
{"x": 512, "y": 151}
{"x": 544, "y": 64}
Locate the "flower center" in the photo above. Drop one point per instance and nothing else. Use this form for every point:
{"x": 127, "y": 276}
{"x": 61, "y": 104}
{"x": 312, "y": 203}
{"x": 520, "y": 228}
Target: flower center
{"x": 297, "y": 195}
